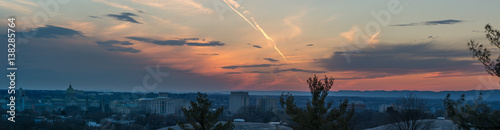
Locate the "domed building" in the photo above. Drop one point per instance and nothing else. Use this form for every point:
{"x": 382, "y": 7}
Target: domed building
{"x": 71, "y": 99}
{"x": 70, "y": 93}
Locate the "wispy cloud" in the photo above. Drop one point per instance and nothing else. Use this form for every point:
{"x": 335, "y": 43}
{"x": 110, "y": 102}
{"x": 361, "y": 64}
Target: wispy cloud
{"x": 271, "y": 59}
{"x": 449, "y": 21}
{"x": 184, "y": 6}
{"x": 248, "y": 66}
{"x": 256, "y": 46}
{"x": 233, "y": 73}
{"x": 288, "y": 70}
{"x": 125, "y": 16}
{"x": 392, "y": 60}
{"x": 51, "y": 31}
{"x": 111, "y": 46}
{"x": 212, "y": 43}
{"x": 178, "y": 42}
{"x": 438, "y": 22}
{"x": 328, "y": 20}
{"x": 297, "y": 70}
{"x": 97, "y": 17}
{"x": 209, "y": 54}
{"x": 116, "y": 5}
{"x": 159, "y": 42}
{"x": 15, "y": 7}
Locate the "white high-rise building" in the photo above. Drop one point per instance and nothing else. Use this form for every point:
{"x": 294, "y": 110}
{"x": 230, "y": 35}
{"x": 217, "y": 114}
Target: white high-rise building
{"x": 266, "y": 103}
{"x": 237, "y": 100}
{"x": 160, "y": 105}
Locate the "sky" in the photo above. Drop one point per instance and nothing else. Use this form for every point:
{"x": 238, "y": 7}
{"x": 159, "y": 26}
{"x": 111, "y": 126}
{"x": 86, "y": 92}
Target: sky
{"x": 260, "y": 45}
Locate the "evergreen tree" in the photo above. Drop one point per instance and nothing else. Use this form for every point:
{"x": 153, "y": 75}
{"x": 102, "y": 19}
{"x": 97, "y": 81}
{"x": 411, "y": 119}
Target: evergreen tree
{"x": 318, "y": 114}
{"x": 477, "y": 115}
{"x": 199, "y": 116}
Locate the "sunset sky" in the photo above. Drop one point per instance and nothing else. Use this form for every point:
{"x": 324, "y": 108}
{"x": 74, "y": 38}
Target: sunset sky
{"x": 218, "y": 45}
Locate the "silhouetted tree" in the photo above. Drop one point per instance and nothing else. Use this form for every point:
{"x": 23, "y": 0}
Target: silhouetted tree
{"x": 477, "y": 115}
{"x": 199, "y": 116}
{"x": 409, "y": 114}
{"x": 155, "y": 121}
{"x": 318, "y": 114}
{"x": 484, "y": 55}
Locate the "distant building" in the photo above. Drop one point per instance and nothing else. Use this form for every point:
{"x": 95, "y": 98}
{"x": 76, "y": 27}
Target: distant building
{"x": 70, "y": 99}
{"x": 70, "y": 94}
{"x": 163, "y": 105}
{"x": 22, "y": 100}
{"x": 383, "y": 107}
{"x": 125, "y": 108}
{"x": 357, "y": 105}
{"x": 237, "y": 100}
{"x": 266, "y": 103}
{"x": 179, "y": 104}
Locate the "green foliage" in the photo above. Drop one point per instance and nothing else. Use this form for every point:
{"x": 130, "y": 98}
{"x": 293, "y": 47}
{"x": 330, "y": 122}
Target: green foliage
{"x": 318, "y": 114}
{"x": 476, "y": 115}
{"x": 199, "y": 116}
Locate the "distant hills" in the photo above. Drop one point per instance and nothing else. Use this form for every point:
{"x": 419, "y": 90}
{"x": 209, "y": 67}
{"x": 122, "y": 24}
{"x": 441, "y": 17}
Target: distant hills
{"x": 490, "y": 95}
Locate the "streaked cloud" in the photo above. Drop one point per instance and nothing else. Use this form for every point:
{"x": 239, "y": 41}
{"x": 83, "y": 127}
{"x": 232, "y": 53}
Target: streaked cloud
{"x": 233, "y": 73}
{"x": 401, "y": 59}
{"x": 214, "y": 54}
{"x": 184, "y": 6}
{"x": 111, "y": 45}
{"x": 97, "y": 17}
{"x": 287, "y": 70}
{"x": 271, "y": 59}
{"x": 178, "y": 41}
{"x": 438, "y": 22}
{"x": 212, "y": 43}
{"x": 116, "y": 5}
{"x": 256, "y": 46}
{"x": 125, "y": 16}
{"x": 51, "y": 31}
{"x": 297, "y": 70}
{"x": 159, "y": 42}
{"x": 248, "y": 66}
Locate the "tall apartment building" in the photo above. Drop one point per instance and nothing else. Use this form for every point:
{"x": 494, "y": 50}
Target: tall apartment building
{"x": 266, "y": 103}
{"x": 237, "y": 100}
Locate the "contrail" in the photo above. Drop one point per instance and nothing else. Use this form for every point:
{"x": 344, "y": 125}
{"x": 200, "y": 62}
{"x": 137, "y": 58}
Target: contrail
{"x": 240, "y": 14}
{"x": 268, "y": 38}
{"x": 257, "y": 27}
{"x": 376, "y": 34}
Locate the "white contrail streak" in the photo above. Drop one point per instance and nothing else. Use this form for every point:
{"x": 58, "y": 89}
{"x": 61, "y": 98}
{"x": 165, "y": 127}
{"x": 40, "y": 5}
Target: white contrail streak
{"x": 376, "y": 34}
{"x": 258, "y": 28}
{"x": 240, "y": 14}
{"x": 268, "y": 38}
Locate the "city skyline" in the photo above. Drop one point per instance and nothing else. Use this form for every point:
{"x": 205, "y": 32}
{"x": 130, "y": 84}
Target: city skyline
{"x": 210, "y": 45}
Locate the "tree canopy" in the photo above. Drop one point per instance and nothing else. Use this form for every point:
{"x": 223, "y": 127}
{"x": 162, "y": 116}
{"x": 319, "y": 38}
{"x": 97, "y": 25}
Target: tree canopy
{"x": 199, "y": 116}
{"x": 318, "y": 114}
